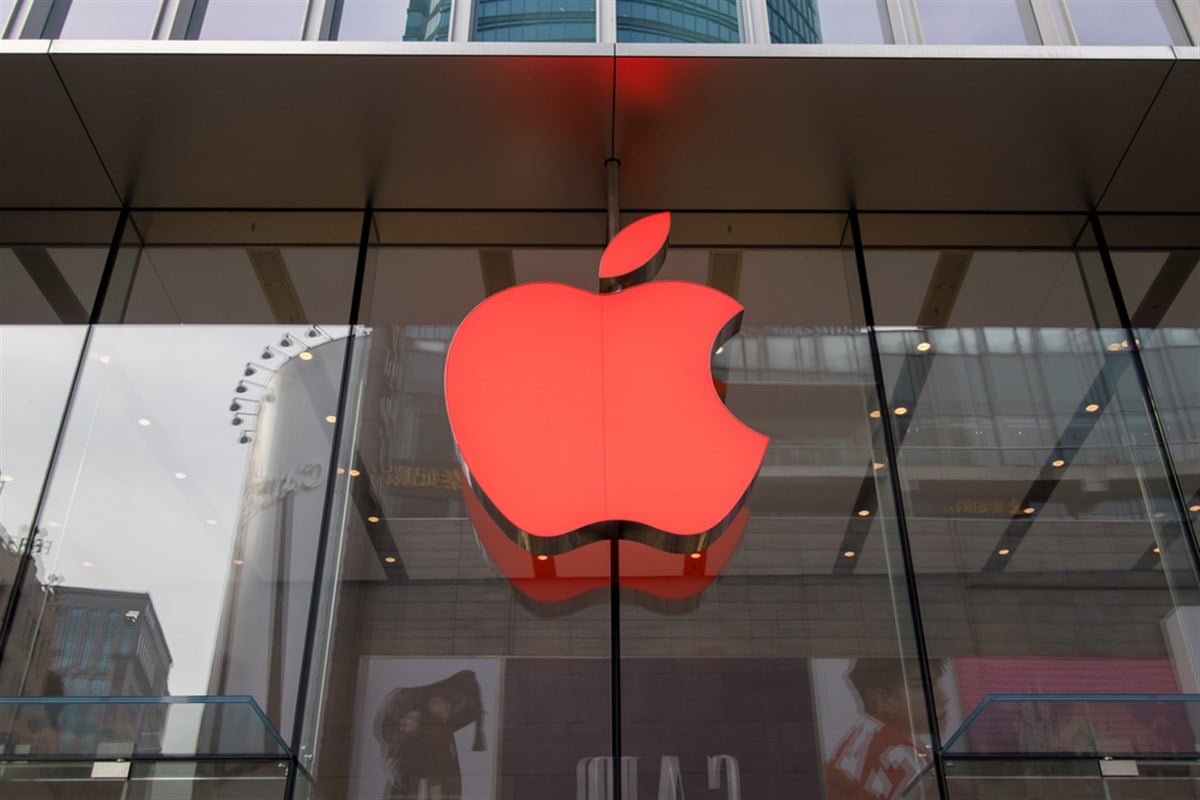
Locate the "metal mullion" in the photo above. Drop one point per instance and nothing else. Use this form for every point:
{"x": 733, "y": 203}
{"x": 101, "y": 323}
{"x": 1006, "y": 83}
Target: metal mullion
{"x": 10, "y": 608}
{"x": 892, "y": 450}
{"x": 324, "y": 529}
{"x": 462, "y": 20}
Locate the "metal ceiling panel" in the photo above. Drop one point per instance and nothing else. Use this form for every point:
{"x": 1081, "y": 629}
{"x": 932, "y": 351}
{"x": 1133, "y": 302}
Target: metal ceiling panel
{"x": 332, "y": 127}
{"x": 1162, "y": 169}
{"x": 1024, "y": 129}
{"x": 45, "y": 156}
{"x": 339, "y": 125}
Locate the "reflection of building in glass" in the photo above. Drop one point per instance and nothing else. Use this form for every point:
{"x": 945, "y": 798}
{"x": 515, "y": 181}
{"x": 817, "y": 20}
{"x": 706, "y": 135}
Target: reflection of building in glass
{"x": 535, "y": 20}
{"x": 108, "y": 643}
{"x": 92, "y": 643}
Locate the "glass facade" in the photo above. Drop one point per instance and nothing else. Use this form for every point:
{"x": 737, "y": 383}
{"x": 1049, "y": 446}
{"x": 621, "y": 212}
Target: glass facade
{"x": 240, "y": 553}
{"x": 949, "y": 22}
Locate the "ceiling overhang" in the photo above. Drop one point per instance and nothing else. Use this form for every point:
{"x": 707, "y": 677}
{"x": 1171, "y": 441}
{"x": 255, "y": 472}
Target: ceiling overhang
{"x": 342, "y": 125}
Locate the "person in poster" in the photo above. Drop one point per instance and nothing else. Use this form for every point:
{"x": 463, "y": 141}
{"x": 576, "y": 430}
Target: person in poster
{"x": 878, "y": 758}
{"x": 415, "y": 729}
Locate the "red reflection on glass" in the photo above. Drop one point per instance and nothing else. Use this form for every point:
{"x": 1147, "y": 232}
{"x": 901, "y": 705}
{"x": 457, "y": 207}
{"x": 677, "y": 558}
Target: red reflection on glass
{"x": 553, "y": 579}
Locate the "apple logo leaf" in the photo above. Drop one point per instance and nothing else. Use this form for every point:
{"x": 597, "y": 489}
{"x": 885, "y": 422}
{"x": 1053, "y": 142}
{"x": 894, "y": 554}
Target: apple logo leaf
{"x": 636, "y": 254}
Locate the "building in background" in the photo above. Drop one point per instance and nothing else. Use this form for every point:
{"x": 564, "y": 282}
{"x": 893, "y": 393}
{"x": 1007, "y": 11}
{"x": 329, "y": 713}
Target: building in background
{"x": 236, "y": 239}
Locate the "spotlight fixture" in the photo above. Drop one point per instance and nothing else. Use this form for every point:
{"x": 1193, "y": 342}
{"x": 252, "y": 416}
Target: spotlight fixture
{"x": 848, "y": 554}
{"x": 696, "y": 555}
{"x": 372, "y": 519}
{"x": 242, "y": 386}
{"x": 543, "y": 558}
{"x": 316, "y": 332}
{"x": 1028, "y": 510}
{"x": 245, "y": 437}
{"x": 252, "y": 368}
{"x": 236, "y": 403}
{"x": 864, "y": 512}
{"x": 900, "y": 411}
{"x": 1092, "y": 408}
{"x": 924, "y": 347}
{"x": 270, "y": 352}
{"x": 239, "y": 417}
{"x": 875, "y": 414}
{"x": 1058, "y": 462}
{"x": 1003, "y": 551}
{"x": 305, "y": 356}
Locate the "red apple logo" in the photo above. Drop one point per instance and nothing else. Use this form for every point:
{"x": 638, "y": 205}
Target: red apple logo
{"x": 580, "y": 417}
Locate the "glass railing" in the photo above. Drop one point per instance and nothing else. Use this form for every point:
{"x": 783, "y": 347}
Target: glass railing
{"x": 136, "y": 728}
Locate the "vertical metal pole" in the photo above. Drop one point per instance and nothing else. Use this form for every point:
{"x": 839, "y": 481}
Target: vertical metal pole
{"x": 910, "y": 577}
{"x": 612, "y": 170}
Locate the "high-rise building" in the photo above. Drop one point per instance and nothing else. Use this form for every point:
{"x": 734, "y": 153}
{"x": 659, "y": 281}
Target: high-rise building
{"x": 240, "y": 555}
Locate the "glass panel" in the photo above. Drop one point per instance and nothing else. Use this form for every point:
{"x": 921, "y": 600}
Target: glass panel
{"x": 50, "y": 267}
{"x": 130, "y": 727}
{"x": 778, "y": 657}
{"x": 189, "y": 488}
{"x": 1126, "y": 22}
{"x": 978, "y": 22}
{"x": 535, "y": 21}
{"x": 794, "y": 21}
{"x": 1161, "y": 288}
{"x": 410, "y": 20}
{"x": 111, "y": 19}
{"x": 448, "y": 646}
{"x": 1033, "y": 488}
{"x": 227, "y": 779}
{"x": 254, "y": 19}
{"x": 1077, "y": 779}
{"x": 840, "y": 21}
{"x": 677, "y": 21}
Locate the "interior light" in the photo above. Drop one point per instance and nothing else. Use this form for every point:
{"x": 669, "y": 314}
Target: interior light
{"x": 237, "y": 562}
{"x": 372, "y": 518}
{"x": 1113, "y": 347}
{"x": 864, "y": 512}
{"x": 87, "y": 563}
{"x": 390, "y": 559}
{"x": 1028, "y": 510}
{"x": 1159, "y": 515}
{"x": 1003, "y": 551}
{"x": 720, "y": 350}
{"x": 1092, "y": 408}
{"x": 543, "y": 558}
{"x": 1058, "y": 462}
{"x": 210, "y": 522}
{"x": 354, "y": 473}
{"x": 104, "y": 359}
{"x": 341, "y": 470}
{"x": 306, "y": 356}
{"x": 848, "y": 554}
{"x": 5, "y": 477}
{"x": 331, "y": 419}
{"x": 53, "y": 523}
{"x": 1156, "y": 548}
{"x": 143, "y": 422}
{"x": 875, "y": 414}
{"x": 879, "y": 465}
{"x": 1193, "y": 507}
{"x": 696, "y": 555}
{"x": 180, "y": 475}
{"x": 924, "y": 347}
{"x": 901, "y": 411}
